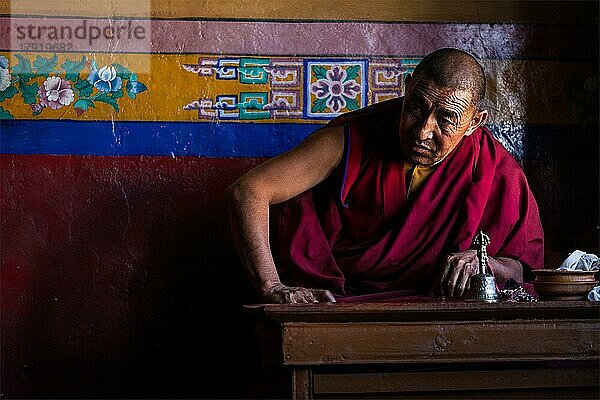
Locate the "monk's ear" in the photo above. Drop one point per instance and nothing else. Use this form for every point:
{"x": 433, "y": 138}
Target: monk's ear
{"x": 478, "y": 119}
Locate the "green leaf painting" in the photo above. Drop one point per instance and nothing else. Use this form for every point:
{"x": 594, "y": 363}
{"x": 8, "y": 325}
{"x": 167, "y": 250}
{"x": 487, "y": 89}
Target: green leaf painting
{"x": 8, "y": 93}
{"x": 4, "y": 114}
{"x": 84, "y": 104}
{"x": 105, "y": 98}
{"x": 122, "y": 72}
{"x": 77, "y": 83}
{"x": 352, "y": 72}
{"x": 22, "y": 71}
{"x": 319, "y": 72}
{"x": 118, "y": 94}
{"x": 84, "y": 87}
{"x": 319, "y": 105}
{"x": 351, "y": 104}
{"x": 29, "y": 92}
{"x": 72, "y": 68}
{"x": 44, "y": 66}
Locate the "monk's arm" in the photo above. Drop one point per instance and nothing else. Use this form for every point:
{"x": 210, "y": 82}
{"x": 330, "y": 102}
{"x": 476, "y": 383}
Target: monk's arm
{"x": 505, "y": 268}
{"x": 272, "y": 182}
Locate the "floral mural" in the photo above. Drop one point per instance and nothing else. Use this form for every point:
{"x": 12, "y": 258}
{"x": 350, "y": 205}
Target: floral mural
{"x": 5, "y": 76}
{"x": 42, "y": 85}
{"x": 55, "y": 93}
{"x": 336, "y": 88}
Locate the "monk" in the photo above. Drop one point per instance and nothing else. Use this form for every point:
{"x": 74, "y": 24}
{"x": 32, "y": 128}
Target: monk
{"x": 389, "y": 199}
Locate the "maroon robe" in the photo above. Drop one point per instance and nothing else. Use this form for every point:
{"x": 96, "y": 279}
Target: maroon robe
{"x": 356, "y": 233}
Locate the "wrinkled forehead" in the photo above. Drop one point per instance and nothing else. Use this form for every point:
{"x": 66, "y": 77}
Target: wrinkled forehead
{"x": 426, "y": 90}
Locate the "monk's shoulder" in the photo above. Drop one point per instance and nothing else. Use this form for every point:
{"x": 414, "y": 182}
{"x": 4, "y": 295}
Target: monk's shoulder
{"x": 507, "y": 167}
{"x": 504, "y": 158}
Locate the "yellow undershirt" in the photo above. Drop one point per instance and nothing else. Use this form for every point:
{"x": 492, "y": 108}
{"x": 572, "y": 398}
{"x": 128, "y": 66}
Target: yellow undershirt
{"x": 416, "y": 175}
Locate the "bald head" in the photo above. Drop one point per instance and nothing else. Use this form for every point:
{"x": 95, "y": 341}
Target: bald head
{"x": 455, "y": 69}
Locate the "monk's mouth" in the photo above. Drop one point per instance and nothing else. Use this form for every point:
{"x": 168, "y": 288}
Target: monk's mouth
{"x": 420, "y": 149}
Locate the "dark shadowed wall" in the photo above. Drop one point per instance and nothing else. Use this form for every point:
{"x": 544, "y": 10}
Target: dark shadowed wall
{"x": 118, "y": 276}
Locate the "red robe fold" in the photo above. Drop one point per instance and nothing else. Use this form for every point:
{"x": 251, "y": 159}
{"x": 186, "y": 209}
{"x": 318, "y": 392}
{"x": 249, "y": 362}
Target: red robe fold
{"x": 356, "y": 233}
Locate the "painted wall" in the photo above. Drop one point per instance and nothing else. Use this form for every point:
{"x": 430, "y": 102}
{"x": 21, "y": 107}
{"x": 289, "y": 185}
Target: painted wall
{"x": 118, "y": 273}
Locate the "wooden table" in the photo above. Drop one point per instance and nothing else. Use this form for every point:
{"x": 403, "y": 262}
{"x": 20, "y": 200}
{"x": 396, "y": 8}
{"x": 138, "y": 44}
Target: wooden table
{"x": 434, "y": 349}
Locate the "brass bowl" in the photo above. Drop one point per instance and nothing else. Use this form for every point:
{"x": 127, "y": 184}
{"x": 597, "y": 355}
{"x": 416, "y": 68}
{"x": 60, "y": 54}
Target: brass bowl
{"x": 551, "y": 284}
{"x": 554, "y": 275}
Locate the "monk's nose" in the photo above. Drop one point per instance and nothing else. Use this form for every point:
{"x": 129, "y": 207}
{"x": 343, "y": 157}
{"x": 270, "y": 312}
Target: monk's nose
{"x": 428, "y": 126}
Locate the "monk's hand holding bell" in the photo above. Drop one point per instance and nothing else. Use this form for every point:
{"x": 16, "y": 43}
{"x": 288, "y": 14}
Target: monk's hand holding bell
{"x": 281, "y": 293}
{"x": 456, "y": 272}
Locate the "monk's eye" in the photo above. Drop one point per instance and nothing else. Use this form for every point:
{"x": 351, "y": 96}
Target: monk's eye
{"x": 415, "y": 109}
{"x": 446, "y": 123}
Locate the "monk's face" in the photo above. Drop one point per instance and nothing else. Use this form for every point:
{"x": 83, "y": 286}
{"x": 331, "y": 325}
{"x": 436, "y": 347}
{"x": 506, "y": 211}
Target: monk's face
{"x": 434, "y": 120}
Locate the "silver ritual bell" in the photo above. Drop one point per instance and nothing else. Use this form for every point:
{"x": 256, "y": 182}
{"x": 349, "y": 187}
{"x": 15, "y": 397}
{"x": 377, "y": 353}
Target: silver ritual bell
{"x": 483, "y": 285}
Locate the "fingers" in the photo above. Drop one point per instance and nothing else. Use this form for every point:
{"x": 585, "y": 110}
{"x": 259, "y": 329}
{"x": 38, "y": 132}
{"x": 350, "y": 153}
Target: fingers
{"x": 440, "y": 287}
{"x": 446, "y": 268}
{"x": 301, "y": 295}
{"x": 294, "y": 295}
{"x": 465, "y": 278}
{"x": 324, "y": 296}
{"x": 456, "y": 274}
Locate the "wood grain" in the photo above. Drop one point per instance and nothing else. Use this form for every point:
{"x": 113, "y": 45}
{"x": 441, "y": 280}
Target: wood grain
{"x": 368, "y": 343}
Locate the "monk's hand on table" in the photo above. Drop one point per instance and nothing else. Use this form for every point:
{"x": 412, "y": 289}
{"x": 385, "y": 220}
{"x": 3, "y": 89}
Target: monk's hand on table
{"x": 281, "y": 293}
{"x": 456, "y": 273}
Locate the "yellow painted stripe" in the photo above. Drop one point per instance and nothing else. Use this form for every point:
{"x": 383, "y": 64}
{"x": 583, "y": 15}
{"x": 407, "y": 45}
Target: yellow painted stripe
{"x": 370, "y": 10}
{"x": 518, "y": 91}
{"x": 169, "y": 87}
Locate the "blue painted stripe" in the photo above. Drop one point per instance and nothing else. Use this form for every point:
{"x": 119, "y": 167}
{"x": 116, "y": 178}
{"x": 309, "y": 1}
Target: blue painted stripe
{"x": 234, "y": 139}
{"x": 103, "y": 138}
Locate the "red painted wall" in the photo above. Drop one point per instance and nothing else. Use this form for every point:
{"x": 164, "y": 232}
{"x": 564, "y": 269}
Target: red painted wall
{"x": 118, "y": 277}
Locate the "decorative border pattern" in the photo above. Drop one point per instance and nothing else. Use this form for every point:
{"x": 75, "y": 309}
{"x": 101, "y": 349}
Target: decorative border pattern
{"x": 296, "y": 88}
